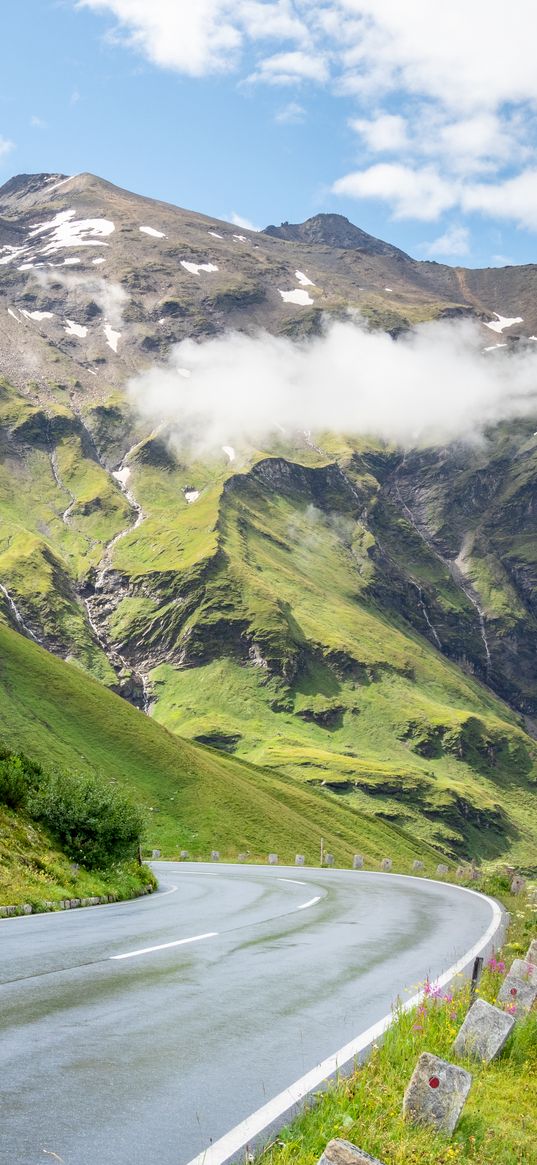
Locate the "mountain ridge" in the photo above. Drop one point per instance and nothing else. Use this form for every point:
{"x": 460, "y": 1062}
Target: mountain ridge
{"x": 358, "y": 617}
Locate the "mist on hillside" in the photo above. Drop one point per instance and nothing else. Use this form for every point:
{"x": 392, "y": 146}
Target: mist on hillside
{"x": 433, "y": 385}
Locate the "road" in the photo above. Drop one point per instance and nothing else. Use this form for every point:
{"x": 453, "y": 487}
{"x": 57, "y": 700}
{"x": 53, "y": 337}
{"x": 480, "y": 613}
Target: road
{"x": 146, "y": 1031}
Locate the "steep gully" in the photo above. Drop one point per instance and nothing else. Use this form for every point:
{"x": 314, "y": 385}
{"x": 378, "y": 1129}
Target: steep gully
{"x": 455, "y": 567}
{"x": 92, "y": 602}
{"x": 350, "y": 485}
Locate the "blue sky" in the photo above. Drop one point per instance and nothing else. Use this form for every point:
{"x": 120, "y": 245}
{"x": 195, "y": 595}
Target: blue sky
{"x": 417, "y": 123}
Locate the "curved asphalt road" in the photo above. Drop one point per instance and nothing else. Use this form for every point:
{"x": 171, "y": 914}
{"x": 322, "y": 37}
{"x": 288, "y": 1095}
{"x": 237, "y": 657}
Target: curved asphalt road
{"x": 152, "y": 1057}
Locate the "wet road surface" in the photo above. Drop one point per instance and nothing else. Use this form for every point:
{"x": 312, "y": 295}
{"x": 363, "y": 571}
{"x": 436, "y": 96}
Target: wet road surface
{"x": 142, "y": 1032}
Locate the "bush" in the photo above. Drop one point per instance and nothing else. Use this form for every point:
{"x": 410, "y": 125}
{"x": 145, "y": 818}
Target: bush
{"x": 94, "y": 822}
{"x": 19, "y": 777}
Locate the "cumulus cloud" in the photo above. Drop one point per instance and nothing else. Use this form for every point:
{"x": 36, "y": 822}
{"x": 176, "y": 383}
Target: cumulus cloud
{"x": 412, "y": 193}
{"x": 291, "y": 68}
{"x": 433, "y": 385}
{"x": 460, "y": 76}
{"x": 386, "y": 133}
{"x": 454, "y": 241}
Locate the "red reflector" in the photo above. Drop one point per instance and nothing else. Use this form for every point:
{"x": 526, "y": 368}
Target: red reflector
{"x": 434, "y": 1082}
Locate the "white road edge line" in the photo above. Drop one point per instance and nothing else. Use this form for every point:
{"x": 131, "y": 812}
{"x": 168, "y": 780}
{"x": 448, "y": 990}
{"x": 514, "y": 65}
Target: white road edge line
{"x": 180, "y": 942}
{"x": 293, "y": 881}
{"x": 311, "y": 902}
{"x": 245, "y": 1132}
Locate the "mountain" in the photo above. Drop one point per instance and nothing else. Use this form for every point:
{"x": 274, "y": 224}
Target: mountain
{"x": 334, "y": 230}
{"x": 359, "y": 620}
{"x": 194, "y": 797}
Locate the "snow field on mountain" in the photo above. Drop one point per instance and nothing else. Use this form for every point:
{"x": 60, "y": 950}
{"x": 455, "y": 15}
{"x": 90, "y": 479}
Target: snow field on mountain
{"x": 299, "y": 297}
{"x": 152, "y": 232}
{"x": 195, "y": 268}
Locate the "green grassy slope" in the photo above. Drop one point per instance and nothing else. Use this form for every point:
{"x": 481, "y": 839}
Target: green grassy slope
{"x": 33, "y": 868}
{"x": 195, "y": 798}
{"x": 289, "y": 615}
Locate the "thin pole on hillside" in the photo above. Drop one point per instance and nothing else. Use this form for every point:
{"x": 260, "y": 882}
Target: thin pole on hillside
{"x": 322, "y": 850}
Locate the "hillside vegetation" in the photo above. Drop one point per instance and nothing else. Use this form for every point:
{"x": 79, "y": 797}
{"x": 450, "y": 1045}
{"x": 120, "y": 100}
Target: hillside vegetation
{"x": 355, "y": 620}
{"x": 193, "y": 797}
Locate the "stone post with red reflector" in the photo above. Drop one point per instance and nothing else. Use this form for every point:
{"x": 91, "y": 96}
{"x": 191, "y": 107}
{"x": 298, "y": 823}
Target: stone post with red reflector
{"x": 437, "y": 1093}
{"x": 519, "y": 988}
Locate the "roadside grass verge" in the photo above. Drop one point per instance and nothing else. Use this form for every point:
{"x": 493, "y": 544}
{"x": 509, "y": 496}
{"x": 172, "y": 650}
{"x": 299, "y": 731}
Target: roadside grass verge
{"x": 34, "y": 870}
{"x": 499, "y": 1122}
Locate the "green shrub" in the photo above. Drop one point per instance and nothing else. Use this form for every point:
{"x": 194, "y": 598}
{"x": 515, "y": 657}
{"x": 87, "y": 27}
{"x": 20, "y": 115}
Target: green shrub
{"x": 94, "y": 822}
{"x": 19, "y": 777}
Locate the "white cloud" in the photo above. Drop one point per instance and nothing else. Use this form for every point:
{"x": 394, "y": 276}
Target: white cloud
{"x": 424, "y": 194}
{"x": 291, "y": 114}
{"x": 461, "y": 77}
{"x": 38, "y": 123}
{"x": 5, "y": 146}
{"x": 240, "y": 221}
{"x": 377, "y": 386}
{"x": 454, "y": 241}
{"x": 201, "y": 37}
{"x": 468, "y": 56}
{"x": 291, "y": 68}
{"x": 385, "y": 133}
{"x": 513, "y": 198}
{"x": 412, "y": 193}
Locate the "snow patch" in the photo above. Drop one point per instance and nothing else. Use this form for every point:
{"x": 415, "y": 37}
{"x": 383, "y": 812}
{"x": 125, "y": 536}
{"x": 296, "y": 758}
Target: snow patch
{"x": 192, "y": 495}
{"x": 63, "y": 182}
{"x": 73, "y": 329}
{"x": 184, "y": 372}
{"x": 70, "y": 262}
{"x": 303, "y": 279}
{"x": 240, "y": 238}
{"x": 122, "y": 475}
{"x": 229, "y": 451}
{"x": 388, "y": 288}
{"x": 100, "y": 259}
{"x": 112, "y": 337}
{"x": 151, "y": 231}
{"x": 66, "y": 231}
{"x": 195, "y": 268}
{"x": 25, "y": 267}
{"x": 215, "y": 235}
{"x": 503, "y": 322}
{"x": 302, "y": 298}
{"x": 14, "y": 315}
{"x": 38, "y": 315}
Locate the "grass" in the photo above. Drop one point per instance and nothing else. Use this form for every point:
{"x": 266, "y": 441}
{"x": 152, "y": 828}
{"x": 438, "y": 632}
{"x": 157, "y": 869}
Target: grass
{"x": 499, "y": 1122}
{"x": 195, "y": 798}
{"x": 34, "y": 870}
{"x": 276, "y": 613}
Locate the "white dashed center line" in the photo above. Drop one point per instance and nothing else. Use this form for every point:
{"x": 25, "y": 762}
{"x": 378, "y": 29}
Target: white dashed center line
{"x": 165, "y": 946}
{"x": 311, "y": 902}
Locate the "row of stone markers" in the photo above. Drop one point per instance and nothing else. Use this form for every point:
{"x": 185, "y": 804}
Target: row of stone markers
{"x": 438, "y": 1090}
{"x": 44, "y": 906}
{"x": 470, "y": 873}
{"x": 358, "y": 863}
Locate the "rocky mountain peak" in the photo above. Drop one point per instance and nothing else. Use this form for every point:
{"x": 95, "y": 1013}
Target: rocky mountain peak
{"x": 333, "y": 230}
